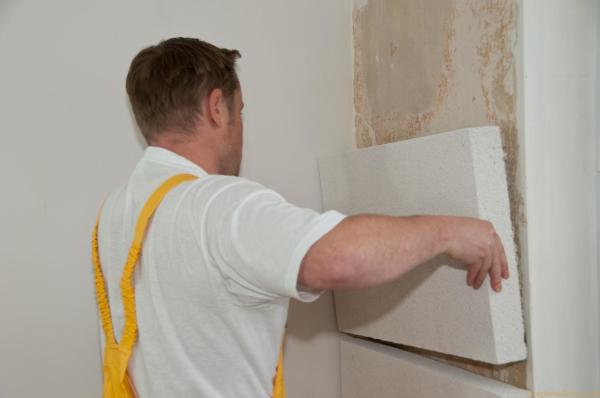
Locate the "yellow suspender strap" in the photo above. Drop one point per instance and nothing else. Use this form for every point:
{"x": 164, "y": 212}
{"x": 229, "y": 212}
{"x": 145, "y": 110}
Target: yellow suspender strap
{"x": 130, "y": 330}
{"x": 278, "y": 383}
{"x": 127, "y": 291}
{"x": 101, "y": 296}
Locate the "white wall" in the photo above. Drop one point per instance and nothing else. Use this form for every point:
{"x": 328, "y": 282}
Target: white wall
{"x": 597, "y": 114}
{"x": 560, "y": 71}
{"x": 68, "y": 138}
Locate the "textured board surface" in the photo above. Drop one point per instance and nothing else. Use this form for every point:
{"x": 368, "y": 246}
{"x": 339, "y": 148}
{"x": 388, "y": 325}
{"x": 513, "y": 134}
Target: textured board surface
{"x": 457, "y": 173}
{"x": 374, "y": 370}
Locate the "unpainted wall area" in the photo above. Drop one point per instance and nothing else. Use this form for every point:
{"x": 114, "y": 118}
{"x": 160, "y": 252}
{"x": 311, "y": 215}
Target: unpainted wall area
{"x": 427, "y": 66}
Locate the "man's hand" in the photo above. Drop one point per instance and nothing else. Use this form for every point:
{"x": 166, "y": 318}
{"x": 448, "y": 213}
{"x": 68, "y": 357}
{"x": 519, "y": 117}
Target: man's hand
{"x": 476, "y": 244}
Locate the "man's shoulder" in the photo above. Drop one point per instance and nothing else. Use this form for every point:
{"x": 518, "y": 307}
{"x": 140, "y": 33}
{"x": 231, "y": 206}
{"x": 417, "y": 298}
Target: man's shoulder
{"x": 115, "y": 194}
{"x": 218, "y": 182}
{"x": 229, "y": 188}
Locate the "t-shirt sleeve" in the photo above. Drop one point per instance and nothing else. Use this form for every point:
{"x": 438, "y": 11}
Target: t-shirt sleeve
{"x": 258, "y": 239}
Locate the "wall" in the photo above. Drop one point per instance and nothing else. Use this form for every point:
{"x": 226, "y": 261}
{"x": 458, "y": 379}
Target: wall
{"x": 423, "y": 67}
{"x": 530, "y": 67}
{"x": 68, "y": 138}
{"x": 559, "y": 101}
{"x": 597, "y": 113}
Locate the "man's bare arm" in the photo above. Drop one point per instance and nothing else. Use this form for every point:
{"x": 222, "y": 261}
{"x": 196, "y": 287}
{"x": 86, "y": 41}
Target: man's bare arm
{"x": 368, "y": 250}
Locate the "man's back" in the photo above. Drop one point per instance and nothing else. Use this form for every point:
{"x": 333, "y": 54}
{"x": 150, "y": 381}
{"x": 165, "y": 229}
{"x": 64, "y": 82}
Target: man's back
{"x": 219, "y": 263}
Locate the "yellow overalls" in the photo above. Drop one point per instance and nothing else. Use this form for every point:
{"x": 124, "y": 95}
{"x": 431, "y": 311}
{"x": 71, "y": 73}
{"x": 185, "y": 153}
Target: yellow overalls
{"x": 117, "y": 382}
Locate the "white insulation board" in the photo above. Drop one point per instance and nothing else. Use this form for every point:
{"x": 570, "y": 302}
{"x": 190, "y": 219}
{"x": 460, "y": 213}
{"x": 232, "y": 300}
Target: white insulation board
{"x": 374, "y": 370}
{"x": 456, "y": 173}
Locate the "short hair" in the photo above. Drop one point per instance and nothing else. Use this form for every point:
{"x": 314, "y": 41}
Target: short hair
{"x": 167, "y": 83}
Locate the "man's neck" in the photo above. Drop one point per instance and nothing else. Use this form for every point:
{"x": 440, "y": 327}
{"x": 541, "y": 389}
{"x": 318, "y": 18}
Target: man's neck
{"x": 194, "y": 150}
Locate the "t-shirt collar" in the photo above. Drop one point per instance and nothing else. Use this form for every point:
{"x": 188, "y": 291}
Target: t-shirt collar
{"x": 164, "y": 156}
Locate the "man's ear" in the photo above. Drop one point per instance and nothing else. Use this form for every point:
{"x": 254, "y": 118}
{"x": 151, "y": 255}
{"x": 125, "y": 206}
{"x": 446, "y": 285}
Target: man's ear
{"x": 216, "y": 114}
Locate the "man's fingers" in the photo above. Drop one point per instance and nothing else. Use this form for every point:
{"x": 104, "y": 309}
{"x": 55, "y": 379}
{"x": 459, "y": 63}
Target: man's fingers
{"x": 472, "y": 273}
{"x": 504, "y": 261}
{"x": 484, "y": 254}
{"x": 496, "y": 270}
{"x": 480, "y": 277}
{"x": 486, "y": 265}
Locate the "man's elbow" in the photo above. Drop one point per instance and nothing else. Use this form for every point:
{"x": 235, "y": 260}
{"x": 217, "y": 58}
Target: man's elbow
{"x": 328, "y": 267}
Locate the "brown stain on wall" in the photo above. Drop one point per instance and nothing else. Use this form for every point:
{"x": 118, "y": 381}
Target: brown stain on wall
{"x": 398, "y": 87}
{"x": 427, "y": 66}
{"x": 496, "y": 70}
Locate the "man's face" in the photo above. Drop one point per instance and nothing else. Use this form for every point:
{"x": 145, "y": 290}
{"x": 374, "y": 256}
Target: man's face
{"x": 235, "y": 129}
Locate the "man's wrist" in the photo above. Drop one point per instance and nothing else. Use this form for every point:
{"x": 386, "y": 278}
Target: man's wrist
{"x": 438, "y": 232}
{"x": 443, "y": 225}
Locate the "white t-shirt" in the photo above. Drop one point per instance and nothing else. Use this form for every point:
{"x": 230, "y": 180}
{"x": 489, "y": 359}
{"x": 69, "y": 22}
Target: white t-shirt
{"x": 219, "y": 263}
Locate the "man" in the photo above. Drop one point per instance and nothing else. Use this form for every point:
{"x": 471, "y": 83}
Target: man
{"x": 223, "y": 255}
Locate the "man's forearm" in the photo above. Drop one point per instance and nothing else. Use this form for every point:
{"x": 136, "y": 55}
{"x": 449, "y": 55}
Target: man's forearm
{"x": 368, "y": 250}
